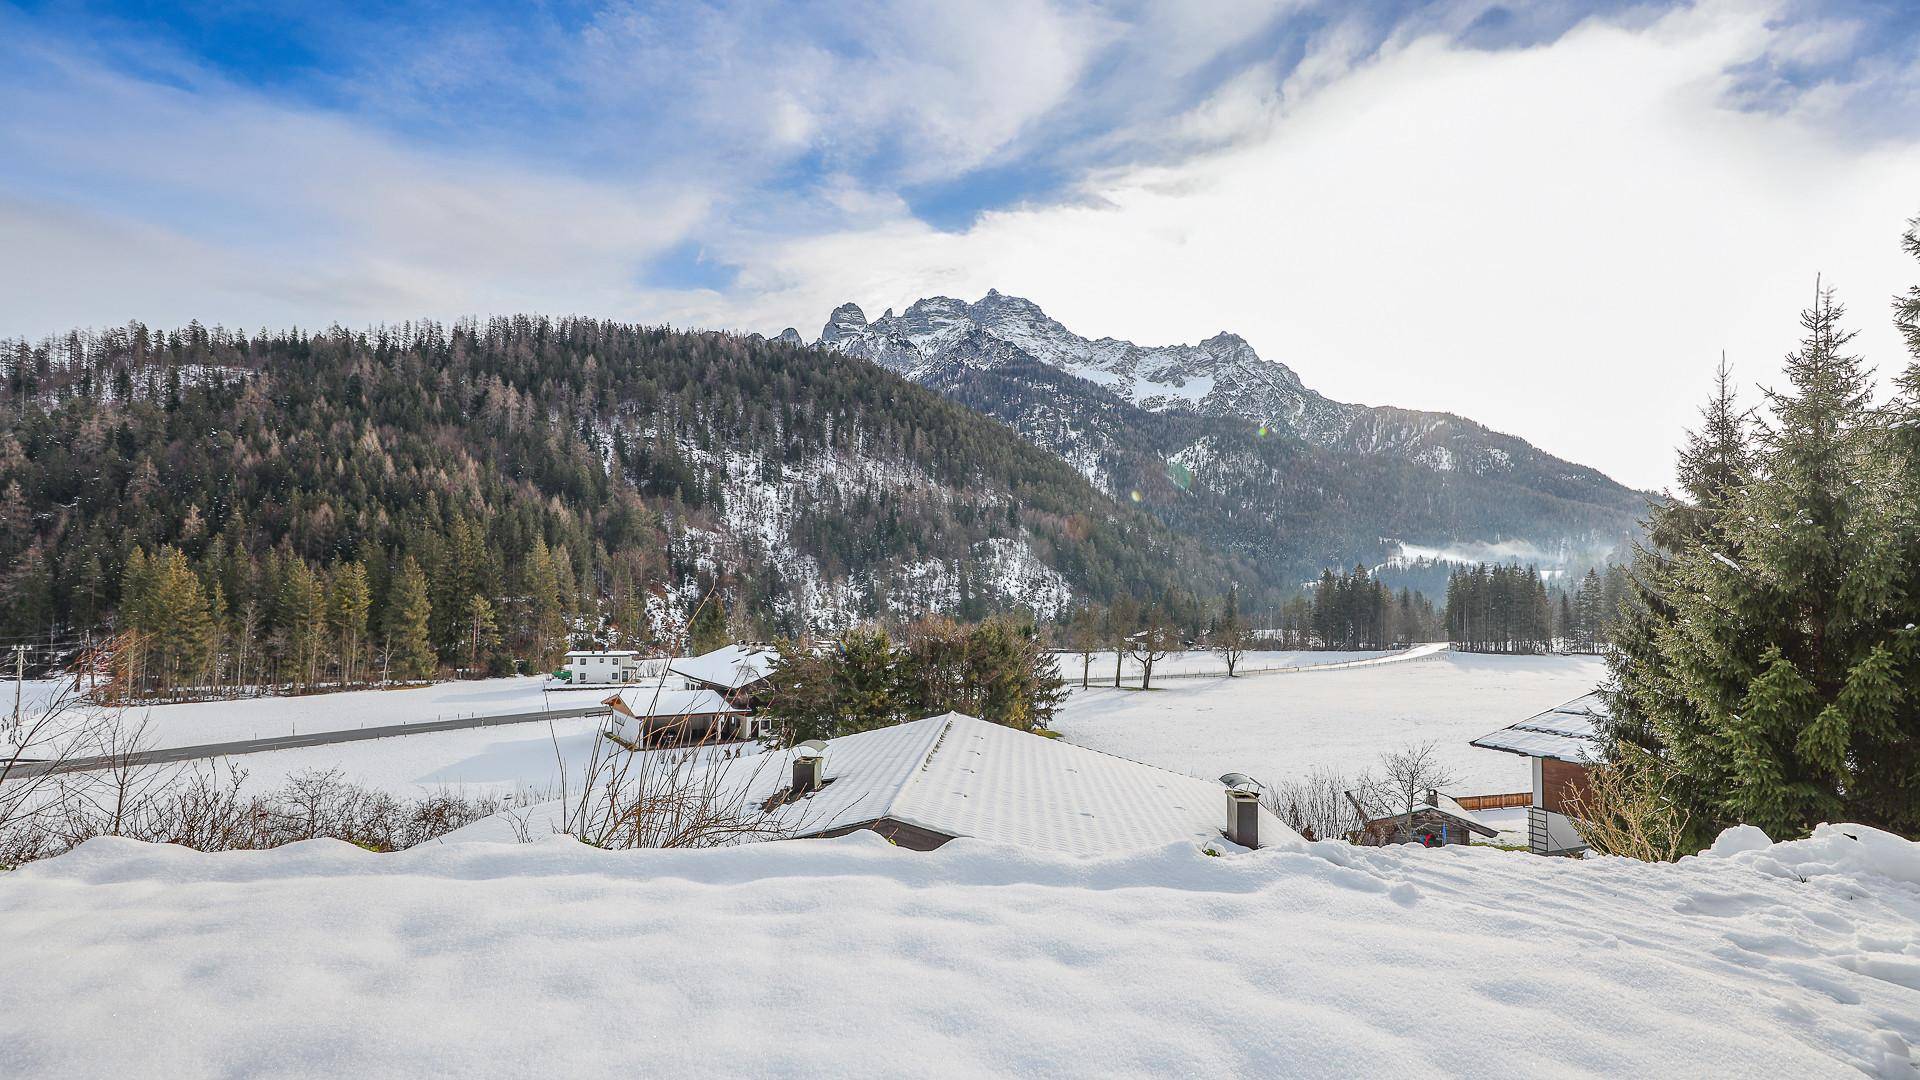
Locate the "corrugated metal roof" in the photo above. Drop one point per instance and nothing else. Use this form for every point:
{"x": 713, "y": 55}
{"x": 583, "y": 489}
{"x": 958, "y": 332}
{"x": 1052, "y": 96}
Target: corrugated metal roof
{"x": 1564, "y": 732}
{"x": 961, "y": 776}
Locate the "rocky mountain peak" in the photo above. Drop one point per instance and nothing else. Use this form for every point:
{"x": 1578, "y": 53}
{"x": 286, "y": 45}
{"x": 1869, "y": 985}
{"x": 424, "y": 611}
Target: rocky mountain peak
{"x": 846, "y": 323}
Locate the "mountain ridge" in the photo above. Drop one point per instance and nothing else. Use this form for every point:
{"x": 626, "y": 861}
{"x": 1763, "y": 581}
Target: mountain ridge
{"x": 1122, "y": 406}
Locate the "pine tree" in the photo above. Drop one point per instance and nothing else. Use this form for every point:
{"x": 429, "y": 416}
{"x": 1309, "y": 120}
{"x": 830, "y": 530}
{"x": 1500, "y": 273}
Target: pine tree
{"x": 300, "y": 612}
{"x": 409, "y": 624}
{"x": 708, "y": 629}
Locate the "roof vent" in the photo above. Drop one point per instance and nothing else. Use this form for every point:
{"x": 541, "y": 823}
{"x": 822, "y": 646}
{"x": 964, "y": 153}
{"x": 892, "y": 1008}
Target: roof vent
{"x": 809, "y": 759}
{"x": 1243, "y": 809}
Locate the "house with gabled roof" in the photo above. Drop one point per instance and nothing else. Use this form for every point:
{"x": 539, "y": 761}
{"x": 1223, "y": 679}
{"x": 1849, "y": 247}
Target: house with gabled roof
{"x": 1436, "y": 821}
{"x": 646, "y": 716}
{"x": 739, "y": 672}
{"x": 926, "y": 782}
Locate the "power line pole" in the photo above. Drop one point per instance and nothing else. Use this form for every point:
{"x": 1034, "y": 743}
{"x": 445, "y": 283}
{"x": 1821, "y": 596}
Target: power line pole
{"x": 19, "y": 681}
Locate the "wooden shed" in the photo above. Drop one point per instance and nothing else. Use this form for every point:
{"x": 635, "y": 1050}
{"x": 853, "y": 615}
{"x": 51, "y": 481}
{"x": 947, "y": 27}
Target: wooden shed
{"x": 1439, "y": 821}
{"x": 1562, "y": 747}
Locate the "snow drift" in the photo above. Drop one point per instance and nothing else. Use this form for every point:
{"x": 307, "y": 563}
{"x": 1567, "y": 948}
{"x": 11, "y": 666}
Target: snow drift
{"x": 850, "y": 956}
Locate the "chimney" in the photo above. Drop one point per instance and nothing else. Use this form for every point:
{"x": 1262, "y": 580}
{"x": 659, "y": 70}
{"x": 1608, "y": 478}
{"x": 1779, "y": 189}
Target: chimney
{"x": 1243, "y": 809}
{"x": 1433, "y": 796}
{"x": 808, "y": 760}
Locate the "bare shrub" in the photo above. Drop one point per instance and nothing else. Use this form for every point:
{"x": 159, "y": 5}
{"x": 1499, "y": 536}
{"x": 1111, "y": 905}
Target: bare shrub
{"x": 202, "y": 806}
{"x": 1626, "y": 810}
{"x": 31, "y": 754}
{"x": 690, "y": 797}
{"x": 1317, "y": 807}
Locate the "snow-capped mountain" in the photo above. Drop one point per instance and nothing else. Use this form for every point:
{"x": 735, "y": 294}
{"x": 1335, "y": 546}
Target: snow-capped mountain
{"x": 1221, "y": 376}
{"x": 1254, "y": 454}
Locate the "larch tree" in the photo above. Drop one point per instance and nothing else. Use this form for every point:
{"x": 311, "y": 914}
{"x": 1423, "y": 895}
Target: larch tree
{"x": 348, "y": 603}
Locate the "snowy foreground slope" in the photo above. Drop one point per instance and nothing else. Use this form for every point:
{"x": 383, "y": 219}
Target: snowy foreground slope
{"x": 851, "y": 957}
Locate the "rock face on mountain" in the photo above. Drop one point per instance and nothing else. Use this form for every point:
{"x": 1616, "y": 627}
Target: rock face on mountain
{"x": 1239, "y": 436}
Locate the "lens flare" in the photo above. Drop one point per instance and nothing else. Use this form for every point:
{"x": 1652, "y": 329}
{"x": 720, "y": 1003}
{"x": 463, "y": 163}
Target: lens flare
{"x": 1134, "y": 495}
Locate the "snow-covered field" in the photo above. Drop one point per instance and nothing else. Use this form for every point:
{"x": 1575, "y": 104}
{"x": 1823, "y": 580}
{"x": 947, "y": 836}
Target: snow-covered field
{"x": 200, "y": 722}
{"x": 850, "y": 956}
{"x": 1280, "y": 727}
{"x": 1201, "y": 662}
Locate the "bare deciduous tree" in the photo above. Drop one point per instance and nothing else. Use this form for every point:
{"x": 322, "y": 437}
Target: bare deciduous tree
{"x": 1407, "y": 775}
{"x": 1154, "y": 642}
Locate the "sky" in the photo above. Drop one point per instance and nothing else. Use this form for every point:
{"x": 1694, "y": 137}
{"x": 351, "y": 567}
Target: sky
{"x": 1552, "y": 218}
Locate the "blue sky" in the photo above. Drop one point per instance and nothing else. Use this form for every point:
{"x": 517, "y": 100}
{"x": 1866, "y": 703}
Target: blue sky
{"x": 1341, "y": 183}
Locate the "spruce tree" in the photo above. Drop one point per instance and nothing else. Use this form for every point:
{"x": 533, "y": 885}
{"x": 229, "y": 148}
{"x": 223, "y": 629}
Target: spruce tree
{"x": 409, "y": 630}
{"x": 483, "y": 631}
{"x": 708, "y": 629}
{"x": 1765, "y": 659}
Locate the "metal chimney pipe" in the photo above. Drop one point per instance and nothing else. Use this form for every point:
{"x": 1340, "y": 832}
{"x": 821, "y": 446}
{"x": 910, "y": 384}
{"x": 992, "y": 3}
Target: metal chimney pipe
{"x": 808, "y": 758}
{"x": 1243, "y": 809}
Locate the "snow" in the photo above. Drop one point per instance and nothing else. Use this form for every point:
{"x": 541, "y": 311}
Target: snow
{"x": 1203, "y": 662}
{"x": 555, "y": 959}
{"x": 1564, "y": 732}
{"x": 657, "y": 700}
{"x": 1281, "y": 727}
{"x": 518, "y": 761}
{"x": 730, "y": 666}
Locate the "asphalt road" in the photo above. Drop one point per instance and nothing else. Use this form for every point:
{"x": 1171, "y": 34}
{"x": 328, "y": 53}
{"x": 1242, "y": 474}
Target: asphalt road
{"x": 167, "y": 754}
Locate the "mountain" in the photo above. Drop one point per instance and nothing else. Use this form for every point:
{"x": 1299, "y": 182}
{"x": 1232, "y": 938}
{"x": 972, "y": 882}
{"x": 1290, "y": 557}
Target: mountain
{"x": 652, "y": 466}
{"x": 1236, "y": 450}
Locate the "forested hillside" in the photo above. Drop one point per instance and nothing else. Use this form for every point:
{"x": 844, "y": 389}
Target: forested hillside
{"x": 543, "y": 476}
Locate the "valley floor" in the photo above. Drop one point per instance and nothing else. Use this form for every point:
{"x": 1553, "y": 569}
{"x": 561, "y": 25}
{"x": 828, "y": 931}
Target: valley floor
{"x": 1280, "y": 727}
{"x": 850, "y": 956}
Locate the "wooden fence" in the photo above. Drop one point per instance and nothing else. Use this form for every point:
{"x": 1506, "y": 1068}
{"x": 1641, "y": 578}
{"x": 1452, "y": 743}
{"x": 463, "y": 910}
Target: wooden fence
{"x": 1494, "y": 802}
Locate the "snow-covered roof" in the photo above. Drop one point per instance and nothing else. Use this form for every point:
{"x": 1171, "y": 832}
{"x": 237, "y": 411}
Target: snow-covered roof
{"x": 956, "y": 775}
{"x": 1447, "y": 806}
{"x": 1565, "y": 732}
{"x": 728, "y": 666}
{"x": 653, "y": 700}
{"x": 604, "y": 652}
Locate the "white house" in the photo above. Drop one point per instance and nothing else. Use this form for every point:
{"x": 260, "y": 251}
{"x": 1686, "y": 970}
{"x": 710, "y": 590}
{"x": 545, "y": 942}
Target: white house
{"x": 612, "y": 667}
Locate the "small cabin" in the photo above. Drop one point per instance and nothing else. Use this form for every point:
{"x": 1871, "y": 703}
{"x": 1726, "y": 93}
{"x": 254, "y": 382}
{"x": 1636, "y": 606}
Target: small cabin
{"x": 1436, "y": 822}
{"x": 1561, "y": 745}
{"x": 647, "y": 716}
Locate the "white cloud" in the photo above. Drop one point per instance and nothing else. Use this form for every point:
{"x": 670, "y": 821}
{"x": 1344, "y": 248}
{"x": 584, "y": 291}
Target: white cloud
{"x": 202, "y": 196}
{"x": 1556, "y": 241}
